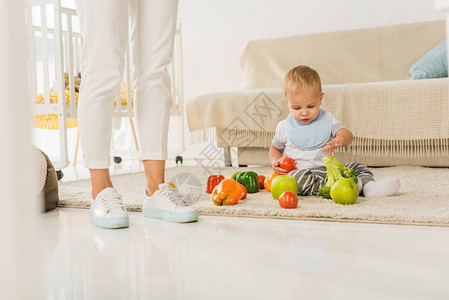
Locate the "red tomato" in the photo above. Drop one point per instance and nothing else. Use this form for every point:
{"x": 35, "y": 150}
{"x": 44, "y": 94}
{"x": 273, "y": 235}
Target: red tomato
{"x": 287, "y": 163}
{"x": 244, "y": 191}
{"x": 261, "y": 181}
{"x": 288, "y": 200}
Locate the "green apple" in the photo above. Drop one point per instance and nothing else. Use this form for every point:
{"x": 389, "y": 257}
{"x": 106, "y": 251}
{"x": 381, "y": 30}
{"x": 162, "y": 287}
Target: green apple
{"x": 234, "y": 175}
{"x": 344, "y": 191}
{"x": 283, "y": 183}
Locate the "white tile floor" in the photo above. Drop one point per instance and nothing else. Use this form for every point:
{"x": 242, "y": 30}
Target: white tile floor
{"x": 241, "y": 258}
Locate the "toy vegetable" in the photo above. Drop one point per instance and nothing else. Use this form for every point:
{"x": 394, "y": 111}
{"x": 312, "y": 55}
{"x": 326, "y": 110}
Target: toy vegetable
{"x": 269, "y": 179}
{"x": 227, "y": 192}
{"x": 261, "y": 181}
{"x": 234, "y": 175}
{"x": 282, "y": 184}
{"x": 288, "y": 200}
{"x": 287, "y": 163}
{"x": 341, "y": 182}
{"x": 244, "y": 191}
{"x": 250, "y": 180}
{"x": 212, "y": 182}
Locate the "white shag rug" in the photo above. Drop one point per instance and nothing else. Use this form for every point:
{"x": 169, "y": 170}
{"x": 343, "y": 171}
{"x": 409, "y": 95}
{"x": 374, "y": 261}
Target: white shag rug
{"x": 422, "y": 200}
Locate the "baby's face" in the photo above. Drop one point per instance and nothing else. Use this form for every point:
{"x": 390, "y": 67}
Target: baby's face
{"x": 304, "y": 107}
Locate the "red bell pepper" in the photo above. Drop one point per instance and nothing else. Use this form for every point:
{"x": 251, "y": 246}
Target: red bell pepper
{"x": 261, "y": 182}
{"x": 245, "y": 192}
{"x": 227, "y": 192}
{"x": 213, "y": 181}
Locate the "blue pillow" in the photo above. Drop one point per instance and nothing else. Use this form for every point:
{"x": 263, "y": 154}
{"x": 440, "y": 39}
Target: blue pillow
{"x": 433, "y": 64}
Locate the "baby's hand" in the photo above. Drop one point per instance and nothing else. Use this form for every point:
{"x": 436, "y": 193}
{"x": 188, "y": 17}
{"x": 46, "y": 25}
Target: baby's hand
{"x": 278, "y": 169}
{"x": 331, "y": 146}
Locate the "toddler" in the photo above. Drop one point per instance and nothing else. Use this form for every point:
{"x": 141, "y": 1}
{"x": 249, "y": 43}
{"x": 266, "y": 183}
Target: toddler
{"x": 310, "y": 133}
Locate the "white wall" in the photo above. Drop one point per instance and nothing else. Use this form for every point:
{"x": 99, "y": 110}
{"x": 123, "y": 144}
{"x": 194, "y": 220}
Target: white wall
{"x": 214, "y": 32}
{"x": 19, "y": 248}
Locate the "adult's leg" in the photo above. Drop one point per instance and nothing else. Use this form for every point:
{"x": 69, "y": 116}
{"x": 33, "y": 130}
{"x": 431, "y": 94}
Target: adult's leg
{"x": 155, "y": 32}
{"x": 104, "y": 27}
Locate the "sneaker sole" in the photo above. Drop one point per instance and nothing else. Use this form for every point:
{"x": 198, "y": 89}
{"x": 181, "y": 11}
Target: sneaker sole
{"x": 111, "y": 223}
{"x": 185, "y": 217}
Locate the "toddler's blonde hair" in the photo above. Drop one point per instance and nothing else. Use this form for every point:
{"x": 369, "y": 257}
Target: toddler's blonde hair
{"x": 302, "y": 79}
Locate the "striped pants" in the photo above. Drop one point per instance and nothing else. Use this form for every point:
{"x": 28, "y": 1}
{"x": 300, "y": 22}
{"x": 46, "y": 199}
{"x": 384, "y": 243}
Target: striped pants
{"x": 311, "y": 180}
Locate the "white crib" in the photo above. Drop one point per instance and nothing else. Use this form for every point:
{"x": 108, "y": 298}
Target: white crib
{"x": 54, "y": 49}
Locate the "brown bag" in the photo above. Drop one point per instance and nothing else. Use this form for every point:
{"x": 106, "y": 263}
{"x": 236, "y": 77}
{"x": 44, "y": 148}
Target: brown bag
{"x": 49, "y": 192}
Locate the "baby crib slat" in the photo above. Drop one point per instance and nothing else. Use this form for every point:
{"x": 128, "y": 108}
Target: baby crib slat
{"x": 32, "y": 82}
{"x": 129, "y": 106}
{"x": 45, "y": 54}
{"x": 70, "y": 65}
{"x": 59, "y": 87}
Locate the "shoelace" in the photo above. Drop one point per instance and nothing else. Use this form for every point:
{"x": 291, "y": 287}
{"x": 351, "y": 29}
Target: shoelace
{"x": 173, "y": 195}
{"x": 112, "y": 201}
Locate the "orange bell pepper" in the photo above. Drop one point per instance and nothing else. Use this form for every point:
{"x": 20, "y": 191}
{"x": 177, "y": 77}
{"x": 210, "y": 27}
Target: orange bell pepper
{"x": 268, "y": 180}
{"x": 227, "y": 192}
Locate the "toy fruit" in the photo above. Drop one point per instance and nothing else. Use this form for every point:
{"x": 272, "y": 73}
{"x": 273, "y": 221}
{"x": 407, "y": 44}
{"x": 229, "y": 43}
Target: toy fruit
{"x": 250, "y": 180}
{"x": 212, "y": 182}
{"x": 344, "y": 191}
{"x": 282, "y": 184}
{"x": 234, "y": 175}
{"x": 261, "y": 182}
{"x": 335, "y": 172}
{"x": 287, "y": 163}
{"x": 269, "y": 179}
{"x": 227, "y": 192}
{"x": 288, "y": 200}
{"x": 244, "y": 191}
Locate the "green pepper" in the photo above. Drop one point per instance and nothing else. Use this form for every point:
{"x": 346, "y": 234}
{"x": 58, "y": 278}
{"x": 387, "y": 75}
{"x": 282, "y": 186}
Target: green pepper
{"x": 234, "y": 175}
{"x": 250, "y": 180}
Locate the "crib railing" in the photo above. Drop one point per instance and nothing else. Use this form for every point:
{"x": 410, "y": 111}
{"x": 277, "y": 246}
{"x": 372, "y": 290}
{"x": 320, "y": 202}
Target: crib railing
{"x": 55, "y": 45}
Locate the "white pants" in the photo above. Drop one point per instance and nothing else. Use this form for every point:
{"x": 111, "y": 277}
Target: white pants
{"x": 104, "y": 26}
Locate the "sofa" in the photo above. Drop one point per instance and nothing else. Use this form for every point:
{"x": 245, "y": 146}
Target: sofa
{"x": 366, "y": 82}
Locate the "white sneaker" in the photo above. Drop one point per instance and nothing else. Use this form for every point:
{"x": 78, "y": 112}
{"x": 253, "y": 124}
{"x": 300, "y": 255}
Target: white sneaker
{"x": 168, "y": 205}
{"x": 108, "y": 211}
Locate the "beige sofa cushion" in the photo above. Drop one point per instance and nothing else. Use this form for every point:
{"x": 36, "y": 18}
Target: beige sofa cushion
{"x": 362, "y": 55}
{"x": 394, "y": 120}
{"x": 405, "y": 118}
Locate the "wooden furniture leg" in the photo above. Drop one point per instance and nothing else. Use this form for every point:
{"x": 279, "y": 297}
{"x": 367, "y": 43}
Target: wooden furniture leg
{"x": 227, "y": 157}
